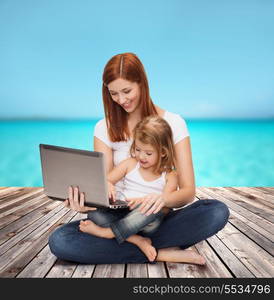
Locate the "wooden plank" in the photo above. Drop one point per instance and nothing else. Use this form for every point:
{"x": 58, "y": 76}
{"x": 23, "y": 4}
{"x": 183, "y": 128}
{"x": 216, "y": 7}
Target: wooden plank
{"x": 8, "y": 191}
{"x": 4, "y": 221}
{"x": 65, "y": 269}
{"x": 24, "y": 233}
{"x": 234, "y": 216}
{"x": 262, "y": 193}
{"x": 83, "y": 271}
{"x": 257, "y": 237}
{"x": 23, "y": 204}
{"x": 14, "y": 191}
{"x": 157, "y": 270}
{"x": 28, "y": 240}
{"x": 252, "y": 198}
{"x": 268, "y": 190}
{"x": 257, "y": 260}
{"x": 238, "y": 269}
{"x": 181, "y": 270}
{"x": 62, "y": 269}
{"x": 214, "y": 267}
{"x": 37, "y": 242}
{"x": 186, "y": 270}
{"x": 15, "y": 227}
{"x": 136, "y": 271}
{"x": 263, "y": 223}
{"x": 16, "y": 200}
{"x": 248, "y": 220}
{"x": 109, "y": 271}
{"x": 238, "y": 199}
{"x": 39, "y": 266}
{"x": 43, "y": 261}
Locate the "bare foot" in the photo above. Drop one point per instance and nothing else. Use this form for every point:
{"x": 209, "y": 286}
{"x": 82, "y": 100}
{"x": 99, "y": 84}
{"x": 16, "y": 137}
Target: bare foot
{"x": 90, "y": 227}
{"x": 195, "y": 257}
{"x": 179, "y": 255}
{"x": 148, "y": 249}
{"x": 145, "y": 246}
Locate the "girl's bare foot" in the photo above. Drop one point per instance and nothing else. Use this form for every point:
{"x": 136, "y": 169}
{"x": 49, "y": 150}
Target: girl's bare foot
{"x": 90, "y": 227}
{"x": 148, "y": 249}
{"x": 145, "y": 246}
{"x": 179, "y": 255}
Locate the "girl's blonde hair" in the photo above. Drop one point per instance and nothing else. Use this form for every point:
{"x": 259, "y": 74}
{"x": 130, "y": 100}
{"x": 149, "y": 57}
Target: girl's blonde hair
{"x": 129, "y": 67}
{"x": 155, "y": 131}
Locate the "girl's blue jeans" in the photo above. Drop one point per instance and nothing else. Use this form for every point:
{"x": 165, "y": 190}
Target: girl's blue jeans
{"x": 183, "y": 227}
{"x": 125, "y": 223}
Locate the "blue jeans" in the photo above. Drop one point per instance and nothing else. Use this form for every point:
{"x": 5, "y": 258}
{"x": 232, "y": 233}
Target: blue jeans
{"x": 184, "y": 227}
{"x": 125, "y": 223}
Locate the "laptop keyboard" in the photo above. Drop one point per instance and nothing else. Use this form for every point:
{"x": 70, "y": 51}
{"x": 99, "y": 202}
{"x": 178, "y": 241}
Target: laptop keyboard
{"x": 117, "y": 202}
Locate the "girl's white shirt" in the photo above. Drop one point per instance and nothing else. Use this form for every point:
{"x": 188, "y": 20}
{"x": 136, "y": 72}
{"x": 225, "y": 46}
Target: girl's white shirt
{"x": 137, "y": 186}
{"x": 120, "y": 150}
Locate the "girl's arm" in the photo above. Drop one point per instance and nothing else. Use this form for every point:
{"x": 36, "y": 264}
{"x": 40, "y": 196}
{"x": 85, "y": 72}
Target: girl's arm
{"x": 120, "y": 171}
{"x": 186, "y": 181}
{"x": 117, "y": 173}
{"x": 114, "y": 173}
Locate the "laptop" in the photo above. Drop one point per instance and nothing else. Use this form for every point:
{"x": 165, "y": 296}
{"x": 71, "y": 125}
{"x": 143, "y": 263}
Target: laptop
{"x": 63, "y": 167}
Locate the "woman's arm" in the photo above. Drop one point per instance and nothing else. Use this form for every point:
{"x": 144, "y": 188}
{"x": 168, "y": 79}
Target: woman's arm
{"x": 186, "y": 180}
{"x": 171, "y": 183}
{"x": 100, "y": 146}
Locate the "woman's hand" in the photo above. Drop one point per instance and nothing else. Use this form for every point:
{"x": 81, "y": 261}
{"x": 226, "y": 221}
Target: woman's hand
{"x": 149, "y": 204}
{"x": 76, "y": 201}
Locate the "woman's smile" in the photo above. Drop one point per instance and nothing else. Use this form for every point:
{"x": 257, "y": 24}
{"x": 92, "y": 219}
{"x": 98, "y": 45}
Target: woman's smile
{"x": 127, "y": 105}
{"x": 125, "y": 93}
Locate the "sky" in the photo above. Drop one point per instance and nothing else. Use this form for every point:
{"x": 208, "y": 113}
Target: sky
{"x": 203, "y": 59}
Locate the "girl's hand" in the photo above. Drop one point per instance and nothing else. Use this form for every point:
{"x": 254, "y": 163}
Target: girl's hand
{"x": 76, "y": 201}
{"x": 133, "y": 202}
{"x": 151, "y": 204}
{"x": 111, "y": 191}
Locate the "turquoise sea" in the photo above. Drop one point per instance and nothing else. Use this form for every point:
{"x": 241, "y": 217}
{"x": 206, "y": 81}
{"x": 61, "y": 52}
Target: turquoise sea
{"x": 225, "y": 153}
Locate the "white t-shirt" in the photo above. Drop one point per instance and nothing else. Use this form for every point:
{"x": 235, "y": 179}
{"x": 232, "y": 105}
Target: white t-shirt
{"x": 120, "y": 150}
{"x": 137, "y": 186}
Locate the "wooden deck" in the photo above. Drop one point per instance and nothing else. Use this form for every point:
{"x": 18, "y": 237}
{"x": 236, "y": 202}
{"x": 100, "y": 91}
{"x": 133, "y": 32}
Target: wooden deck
{"x": 244, "y": 248}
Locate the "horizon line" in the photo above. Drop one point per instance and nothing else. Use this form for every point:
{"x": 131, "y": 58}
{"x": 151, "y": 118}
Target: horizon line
{"x": 99, "y": 118}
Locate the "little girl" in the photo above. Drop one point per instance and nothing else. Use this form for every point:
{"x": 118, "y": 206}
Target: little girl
{"x": 150, "y": 169}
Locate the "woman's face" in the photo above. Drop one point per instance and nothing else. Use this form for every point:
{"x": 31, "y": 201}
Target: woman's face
{"x": 125, "y": 93}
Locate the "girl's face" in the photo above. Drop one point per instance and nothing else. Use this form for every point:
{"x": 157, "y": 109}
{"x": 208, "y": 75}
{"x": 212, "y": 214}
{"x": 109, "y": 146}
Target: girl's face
{"x": 146, "y": 155}
{"x": 125, "y": 93}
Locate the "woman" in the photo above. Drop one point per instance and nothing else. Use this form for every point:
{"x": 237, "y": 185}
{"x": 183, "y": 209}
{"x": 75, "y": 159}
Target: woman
{"x": 127, "y": 101}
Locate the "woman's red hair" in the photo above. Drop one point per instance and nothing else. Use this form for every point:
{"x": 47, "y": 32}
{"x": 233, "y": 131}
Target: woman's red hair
{"x": 129, "y": 67}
